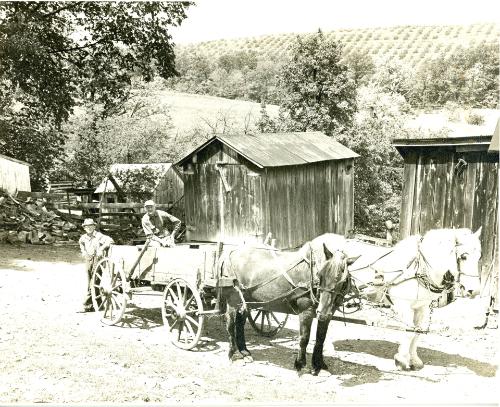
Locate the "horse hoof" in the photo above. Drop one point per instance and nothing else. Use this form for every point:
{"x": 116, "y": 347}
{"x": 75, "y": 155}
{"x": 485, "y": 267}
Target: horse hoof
{"x": 298, "y": 365}
{"x": 248, "y": 359}
{"x": 416, "y": 365}
{"x": 401, "y": 365}
{"x": 315, "y": 372}
{"x": 235, "y": 357}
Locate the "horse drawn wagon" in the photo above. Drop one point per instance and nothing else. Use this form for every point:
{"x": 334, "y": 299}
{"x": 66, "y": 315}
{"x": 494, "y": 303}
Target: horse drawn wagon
{"x": 185, "y": 276}
{"x": 315, "y": 281}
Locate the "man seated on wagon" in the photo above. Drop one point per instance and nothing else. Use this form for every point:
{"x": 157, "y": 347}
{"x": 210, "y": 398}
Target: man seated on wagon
{"x": 154, "y": 223}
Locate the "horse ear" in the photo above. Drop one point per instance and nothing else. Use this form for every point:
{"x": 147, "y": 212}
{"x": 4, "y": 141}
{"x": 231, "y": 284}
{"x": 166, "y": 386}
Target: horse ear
{"x": 328, "y": 253}
{"x": 478, "y": 232}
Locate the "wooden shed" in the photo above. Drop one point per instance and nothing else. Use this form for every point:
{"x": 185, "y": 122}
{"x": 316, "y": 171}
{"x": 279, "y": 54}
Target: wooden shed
{"x": 14, "y": 175}
{"x": 293, "y": 185}
{"x": 169, "y": 187}
{"x": 451, "y": 183}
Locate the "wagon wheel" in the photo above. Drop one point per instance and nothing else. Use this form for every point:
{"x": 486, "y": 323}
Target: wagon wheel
{"x": 182, "y": 313}
{"x": 267, "y": 323}
{"x": 108, "y": 291}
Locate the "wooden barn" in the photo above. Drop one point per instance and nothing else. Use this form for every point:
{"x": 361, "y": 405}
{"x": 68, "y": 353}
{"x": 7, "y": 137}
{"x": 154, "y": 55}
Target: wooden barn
{"x": 14, "y": 175}
{"x": 452, "y": 183}
{"x": 169, "y": 187}
{"x": 293, "y": 185}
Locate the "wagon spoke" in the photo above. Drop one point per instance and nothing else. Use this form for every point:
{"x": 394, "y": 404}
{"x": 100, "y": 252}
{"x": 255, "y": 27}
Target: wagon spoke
{"x": 262, "y": 322}
{"x": 187, "y": 324}
{"x": 102, "y": 303}
{"x": 173, "y": 295}
{"x": 268, "y": 320}
{"x": 184, "y": 294}
{"x": 276, "y": 319}
{"x": 174, "y": 324}
{"x": 192, "y": 320}
{"x": 188, "y": 303}
{"x": 257, "y": 315}
{"x": 179, "y": 332}
{"x": 179, "y": 294}
{"x": 106, "y": 307}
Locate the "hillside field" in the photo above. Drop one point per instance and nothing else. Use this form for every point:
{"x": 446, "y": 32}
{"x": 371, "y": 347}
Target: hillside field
{"x": 411, "y": 44}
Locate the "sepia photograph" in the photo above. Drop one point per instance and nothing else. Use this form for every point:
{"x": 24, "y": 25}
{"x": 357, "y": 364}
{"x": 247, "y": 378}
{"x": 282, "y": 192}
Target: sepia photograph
{"x": 249, "y": 202}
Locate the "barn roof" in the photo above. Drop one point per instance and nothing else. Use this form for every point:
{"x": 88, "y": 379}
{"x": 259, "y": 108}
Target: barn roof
{"x": 280, "y": 149}
{"x": 463, "y": 143}
{"x": 14, "y": 160}
{"x": 116, "y": 168}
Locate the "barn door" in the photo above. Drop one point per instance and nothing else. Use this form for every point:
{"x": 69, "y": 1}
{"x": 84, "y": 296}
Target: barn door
{"x": 239, "y": 204}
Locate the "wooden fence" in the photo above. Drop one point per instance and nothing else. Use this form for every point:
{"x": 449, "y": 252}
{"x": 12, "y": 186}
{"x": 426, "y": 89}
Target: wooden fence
{"x": 111, "y": 217}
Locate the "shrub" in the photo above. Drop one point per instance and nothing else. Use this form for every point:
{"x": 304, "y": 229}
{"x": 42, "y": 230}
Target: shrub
{"x": 474, "y": 118}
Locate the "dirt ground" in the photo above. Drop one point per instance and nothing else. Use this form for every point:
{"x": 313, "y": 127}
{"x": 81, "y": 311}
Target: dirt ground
{"x": 51, "y": 354}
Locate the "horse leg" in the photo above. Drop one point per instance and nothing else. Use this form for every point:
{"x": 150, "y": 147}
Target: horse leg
{"x": 317, "y": 358}
{"x": 231, "y": 315}
{"x": 241, "y": 319}
{"x": 306, "y": 317}
{"x": 402, "y": 358}
{"x": 421, "y": 317}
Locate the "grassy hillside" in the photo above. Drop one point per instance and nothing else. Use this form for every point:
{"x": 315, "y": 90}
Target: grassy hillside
{"x": 411, "y": 44}
{"x": 190, "y": 112}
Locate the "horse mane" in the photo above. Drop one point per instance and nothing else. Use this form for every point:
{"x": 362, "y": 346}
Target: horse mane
{"x": 332, "y": 242}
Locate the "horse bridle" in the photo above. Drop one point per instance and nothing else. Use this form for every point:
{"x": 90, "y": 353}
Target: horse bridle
{"x": 426, "y": 280}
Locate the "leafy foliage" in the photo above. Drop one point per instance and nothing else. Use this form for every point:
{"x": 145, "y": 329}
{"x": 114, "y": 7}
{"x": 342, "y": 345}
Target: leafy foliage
{"x": 56, "y": 55}
{"x": 468, "y": 76}
{"x": 317, "y": 91}
{"x": 392, "y": 54}
{"x": 379, "y": 169}
{"x": 138, "y": 184}
{"x": 140, "y": 133}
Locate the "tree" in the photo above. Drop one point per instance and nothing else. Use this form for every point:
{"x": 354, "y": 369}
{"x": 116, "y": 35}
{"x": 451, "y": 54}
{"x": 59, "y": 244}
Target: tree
{"x": 141, "y": 133}
{"x": 56, "y": 55}
{"x": 393, "y": 76}
{"x": 468, "y": 76}
{"x": 362, "y": 66}
{"x": 380, "y": 118}
{"x": 317, "y": 90}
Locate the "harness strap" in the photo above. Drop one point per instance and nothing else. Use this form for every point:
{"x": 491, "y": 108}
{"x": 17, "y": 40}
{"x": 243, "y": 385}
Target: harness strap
{"x": 283, "y": 273}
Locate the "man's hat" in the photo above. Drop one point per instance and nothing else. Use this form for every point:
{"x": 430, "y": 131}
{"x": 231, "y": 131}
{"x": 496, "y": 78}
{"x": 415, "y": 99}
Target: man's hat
{"x": 149, "y": 203}
{"x": 88, "y": 222}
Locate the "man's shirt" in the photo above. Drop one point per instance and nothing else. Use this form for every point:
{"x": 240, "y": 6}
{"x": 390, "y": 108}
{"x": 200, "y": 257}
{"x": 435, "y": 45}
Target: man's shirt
{"x": 157, "y": 224}
{"x": 90, "y": 243}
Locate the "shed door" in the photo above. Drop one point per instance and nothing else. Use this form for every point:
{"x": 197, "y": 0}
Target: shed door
{"x": 240, "y": 200}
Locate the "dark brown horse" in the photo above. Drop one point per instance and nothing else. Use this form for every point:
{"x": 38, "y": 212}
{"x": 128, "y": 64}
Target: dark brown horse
{"x": 310, "y": 284}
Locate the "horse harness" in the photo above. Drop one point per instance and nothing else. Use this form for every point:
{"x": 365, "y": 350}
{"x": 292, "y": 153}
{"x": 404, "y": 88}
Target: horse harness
{"x": 422, "y": 275}
{"x": 311, "y": 287}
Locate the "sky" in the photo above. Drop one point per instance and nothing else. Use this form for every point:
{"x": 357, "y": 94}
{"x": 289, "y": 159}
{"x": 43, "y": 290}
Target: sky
{"x": 216, "y": 19}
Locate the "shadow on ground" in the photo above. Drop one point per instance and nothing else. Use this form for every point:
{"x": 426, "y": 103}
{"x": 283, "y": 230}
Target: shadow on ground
{"x": 387, "y": 350}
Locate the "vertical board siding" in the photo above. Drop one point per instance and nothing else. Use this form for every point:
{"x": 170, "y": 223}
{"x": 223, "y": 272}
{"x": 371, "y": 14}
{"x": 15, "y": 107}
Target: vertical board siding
{"x": 307, "y": 201}
{"x": 448, "y": 195}
{"x": 14, "y": 176}
{"x": 294, "y": 203}
{"x": 170, "y": 189}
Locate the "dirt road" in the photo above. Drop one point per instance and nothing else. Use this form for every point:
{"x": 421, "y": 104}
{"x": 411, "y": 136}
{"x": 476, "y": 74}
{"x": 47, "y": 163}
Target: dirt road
{"x": 51, "y": 354}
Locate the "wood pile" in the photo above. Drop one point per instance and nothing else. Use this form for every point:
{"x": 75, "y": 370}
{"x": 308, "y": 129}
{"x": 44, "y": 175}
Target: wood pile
{"x": 29, "y": 221}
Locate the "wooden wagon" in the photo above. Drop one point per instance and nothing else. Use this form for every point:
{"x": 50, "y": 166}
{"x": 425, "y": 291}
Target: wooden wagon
{"x": 186, "y": 276}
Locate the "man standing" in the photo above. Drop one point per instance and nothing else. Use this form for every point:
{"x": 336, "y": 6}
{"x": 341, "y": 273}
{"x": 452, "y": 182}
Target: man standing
{"x": 92, "y": 245}
{"x": 154, "y": 223}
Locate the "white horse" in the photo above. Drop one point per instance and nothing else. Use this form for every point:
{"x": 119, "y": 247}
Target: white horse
{"x": 417, "y": 271}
